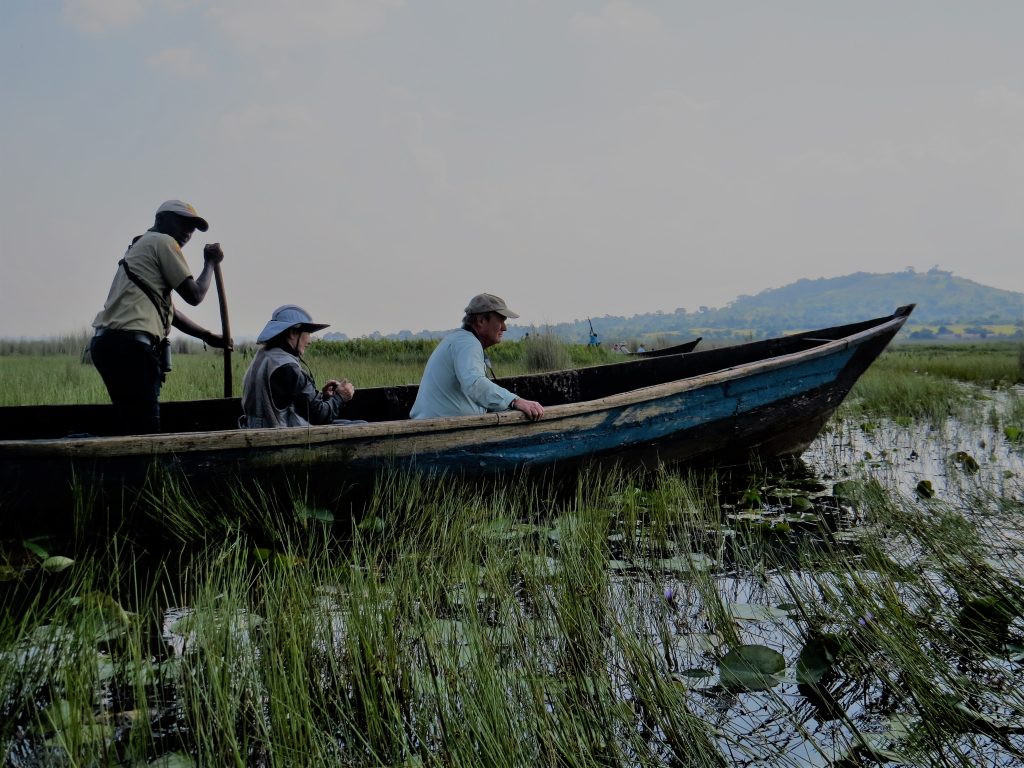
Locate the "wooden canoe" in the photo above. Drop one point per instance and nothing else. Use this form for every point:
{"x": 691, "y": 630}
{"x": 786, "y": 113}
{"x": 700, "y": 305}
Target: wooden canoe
{"x": 768, "y": 398}
{"x": 676, "y": 349}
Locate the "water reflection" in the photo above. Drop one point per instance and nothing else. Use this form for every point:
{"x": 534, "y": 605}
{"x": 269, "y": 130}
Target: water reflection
{"x": 902, "y": 455}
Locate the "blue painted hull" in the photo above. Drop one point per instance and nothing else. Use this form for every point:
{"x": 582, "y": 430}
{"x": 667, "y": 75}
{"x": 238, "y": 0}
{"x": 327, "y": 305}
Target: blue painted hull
{"x": 706, "y": 421}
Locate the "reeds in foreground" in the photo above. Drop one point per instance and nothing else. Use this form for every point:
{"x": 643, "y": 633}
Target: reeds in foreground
{"x": 673, "y": 620}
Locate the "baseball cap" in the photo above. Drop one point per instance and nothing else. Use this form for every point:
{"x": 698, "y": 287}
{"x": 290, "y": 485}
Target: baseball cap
{"x": 184, "y": 209}
{"x": 488, "y": 302}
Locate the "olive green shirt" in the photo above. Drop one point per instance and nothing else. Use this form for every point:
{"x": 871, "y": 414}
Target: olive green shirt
{"x": 156, "y": 259}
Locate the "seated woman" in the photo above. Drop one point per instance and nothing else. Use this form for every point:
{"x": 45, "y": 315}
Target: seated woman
{"x": 278, "y": 390}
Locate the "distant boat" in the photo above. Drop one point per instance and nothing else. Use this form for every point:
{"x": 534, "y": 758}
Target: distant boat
{"x": 678, "y": 349}
{"x": 764, "y": 398}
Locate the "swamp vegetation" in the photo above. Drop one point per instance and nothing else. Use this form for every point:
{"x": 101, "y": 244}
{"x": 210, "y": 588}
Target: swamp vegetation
{"x": 860, "y": 607}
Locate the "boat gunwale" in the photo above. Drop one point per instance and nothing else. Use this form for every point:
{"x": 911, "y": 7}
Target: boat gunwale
{"x": 128, "y": 446}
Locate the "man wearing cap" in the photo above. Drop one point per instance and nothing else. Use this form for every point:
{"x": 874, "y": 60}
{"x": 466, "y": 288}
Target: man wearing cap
{"x": 455, "y": 380}
{"x": 130, "y": 348}
{"x": 277, "y": 390}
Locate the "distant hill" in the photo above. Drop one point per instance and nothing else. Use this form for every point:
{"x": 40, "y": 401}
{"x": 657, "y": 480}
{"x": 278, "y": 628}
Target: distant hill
{"x": 946, "y": 304}
{"x": 942, "y": 299}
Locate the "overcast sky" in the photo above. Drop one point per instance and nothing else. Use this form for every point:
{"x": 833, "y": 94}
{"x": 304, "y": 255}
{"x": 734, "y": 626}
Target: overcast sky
{"x": 380, "y": 161}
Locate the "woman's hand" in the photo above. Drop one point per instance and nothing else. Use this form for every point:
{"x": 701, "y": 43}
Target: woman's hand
{"x": 343, "y": 388}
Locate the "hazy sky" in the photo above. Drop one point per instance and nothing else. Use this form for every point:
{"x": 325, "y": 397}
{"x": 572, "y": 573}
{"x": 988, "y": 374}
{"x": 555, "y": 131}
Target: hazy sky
{"x": 380, "y": 161}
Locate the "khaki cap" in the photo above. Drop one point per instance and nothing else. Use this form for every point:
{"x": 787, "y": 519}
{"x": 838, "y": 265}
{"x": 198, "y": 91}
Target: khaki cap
{"x": 488, "y": 302}
{"x": 182, "y": 208}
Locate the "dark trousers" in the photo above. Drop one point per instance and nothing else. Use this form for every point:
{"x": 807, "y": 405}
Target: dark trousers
{"x": 130, "y": 368}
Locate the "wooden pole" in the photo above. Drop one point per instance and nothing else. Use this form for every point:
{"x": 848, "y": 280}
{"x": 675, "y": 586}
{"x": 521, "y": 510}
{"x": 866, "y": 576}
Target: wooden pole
{"x": 225, "y": 326}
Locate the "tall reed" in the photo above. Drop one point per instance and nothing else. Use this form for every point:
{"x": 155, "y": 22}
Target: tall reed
{"x": 516, "y": 623}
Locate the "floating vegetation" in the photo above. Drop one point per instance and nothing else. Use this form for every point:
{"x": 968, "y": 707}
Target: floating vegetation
{"x": 751, "y": 668}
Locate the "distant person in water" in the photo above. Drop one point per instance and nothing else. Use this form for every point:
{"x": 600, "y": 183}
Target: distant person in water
{"x": 130, "y": 348}
{"x": 278, "y": 390}
{"x": 455, "y": 379}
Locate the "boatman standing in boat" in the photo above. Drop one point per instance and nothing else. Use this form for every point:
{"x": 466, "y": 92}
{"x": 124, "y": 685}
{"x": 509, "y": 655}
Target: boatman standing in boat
{"x": 130, "y": 348}
{"x": 278, "y": 391}
{"x": 455, "y": 379}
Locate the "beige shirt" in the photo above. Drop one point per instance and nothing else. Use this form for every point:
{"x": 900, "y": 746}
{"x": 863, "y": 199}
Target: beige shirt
{"x": 156, "y": 259}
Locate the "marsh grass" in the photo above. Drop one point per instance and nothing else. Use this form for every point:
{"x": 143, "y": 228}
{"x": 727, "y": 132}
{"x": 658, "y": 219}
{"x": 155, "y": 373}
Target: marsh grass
{"x": 912, "y": 381}
{"x": 58, "y": 374}
{"x": 984, "y": 364}
{"x": 926, "y": 382}
{"x": 73, "y": 344}
{"x": 462, "y": 625}
{"x": 546, "y": 352}
{"x": 906, "y": 395}
{"x": 519, "y": 624}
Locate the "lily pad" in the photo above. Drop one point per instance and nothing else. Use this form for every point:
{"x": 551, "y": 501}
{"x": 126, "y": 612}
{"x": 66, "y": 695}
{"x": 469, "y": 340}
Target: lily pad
{"x": 876, "y": 747}
{"x": 800, "y": 504}
{"x": 805, "y": 518}
{"x": 172, "y": 760}
{"x": 371, "y": 524}
{"x": 751, "y": 500}
{"x": 808, "y": 485}
{"x": 987, "y": 618}
{"x": 35, "y": 549}
{"x": 751, "y": 668}
{"x": 57, "y": 563}
{"x": 239, "y": 623}
{"x": 817, "y": 658}
{"x": 755, "y": 612}
{"x": 747, "y": 516}
{"x": 966, "y": 462}
{"x": 103, "y": 615}
{"x": 846, "y": 490}
{"x": 546, "y": 566}
{"x": 304, "y": 513}
{"x": 699, "y": 642}
{"x": 507, "y": 530}
{"x": 691, "y": 561}
{"x": 696, "y": 673}
{"x": 849, "y": 536}
{"x": 69, "y": 724}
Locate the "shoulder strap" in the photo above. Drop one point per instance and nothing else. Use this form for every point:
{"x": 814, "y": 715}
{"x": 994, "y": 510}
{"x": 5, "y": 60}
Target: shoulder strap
{"x": 164, "y": 312}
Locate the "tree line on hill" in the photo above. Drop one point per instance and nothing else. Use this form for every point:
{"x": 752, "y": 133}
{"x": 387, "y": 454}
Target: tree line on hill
{"x": 942, "y": 300}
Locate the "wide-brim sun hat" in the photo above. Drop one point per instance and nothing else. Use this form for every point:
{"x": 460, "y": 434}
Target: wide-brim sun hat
{"x": 285, "y": 318}
{"x": 182, "y": 208}
{"x": 488, "y": 302}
